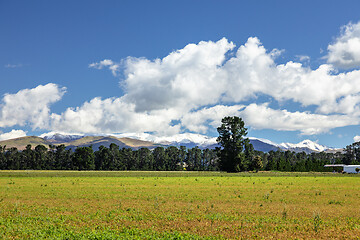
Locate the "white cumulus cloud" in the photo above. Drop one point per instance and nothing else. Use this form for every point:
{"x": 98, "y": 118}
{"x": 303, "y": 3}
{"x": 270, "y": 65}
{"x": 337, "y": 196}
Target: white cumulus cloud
{"x": 113, "y": 115}
{"x": 345, "y": 51}
{"x": 264, "y": 117}
{"x": 303, "y": 58}
{"x": 200, "y": 121}
{"x": 12, "y": 134}
{"x": 106, "y": 63}
{"x": 185, "y": 79}
{"x": 29, "y": 106}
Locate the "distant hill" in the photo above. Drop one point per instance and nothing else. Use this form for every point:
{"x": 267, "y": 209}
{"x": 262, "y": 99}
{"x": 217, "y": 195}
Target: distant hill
{"x": 263, "y": 146}
{"x": 97, "y": 141}
{"x": 136, "y": 143}
{"x": 22, "y": 142}
{"x": 94, "y": 141}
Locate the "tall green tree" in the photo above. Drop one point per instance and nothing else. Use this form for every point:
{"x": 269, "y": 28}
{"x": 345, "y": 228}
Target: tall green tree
{"x": 145, "y": 159}
{"x": 115, "y": 157}
{"x": 207, "y": 158}
{"x": 3, "y": 163}
{"x": 160, "y": 158}
{"x": 28, "y": 158}
{"x": 12, "y": 158}
{"x": 271, "y": 164}
{"x": 41, "y": 157}
{"x": 127, "y": 159}
{"x": 102, "y": 158}
{"x": 257, "y": 163}
{"x": 173, "y": 158}
{"x": 84, "y": 158}
{"x": 194, "y": 159}
{"x": 231, "y": 138}
{"x": 63, "y": 158}
{"x": 182, "y": 158}
{"x": 248, "y": 155}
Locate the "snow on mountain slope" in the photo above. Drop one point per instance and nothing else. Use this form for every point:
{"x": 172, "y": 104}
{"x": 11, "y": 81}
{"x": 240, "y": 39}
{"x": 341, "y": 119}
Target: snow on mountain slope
{"x": 264, "y": 145}
{"x": 183, "y": 138}
{"x": 202, "y": 141}
{"x": 188, "y": 138}
{"x": 304, "y": 144}
{"x": 264, "y": 141}
{"x": 60, "y": 137}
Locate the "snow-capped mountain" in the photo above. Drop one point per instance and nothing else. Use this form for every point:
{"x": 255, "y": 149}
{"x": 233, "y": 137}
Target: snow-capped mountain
{"x": 183, "y": 139}
{"x": 191, "y": 140}
{"x": 306, "y": 144}
{"x": 263, "y": 145}
{"x": 60, "y": 137}
{"x": 188, "y": 139}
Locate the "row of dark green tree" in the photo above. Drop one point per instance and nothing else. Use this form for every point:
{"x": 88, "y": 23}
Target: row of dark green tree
{"x": 109, "y": 158}
{"x": 235, "y": 154}
{"x": 168, "y": 159}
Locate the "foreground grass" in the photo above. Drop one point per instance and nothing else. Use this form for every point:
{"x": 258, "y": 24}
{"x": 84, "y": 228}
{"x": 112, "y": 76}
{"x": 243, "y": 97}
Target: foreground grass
{"x": 178, "y": 205}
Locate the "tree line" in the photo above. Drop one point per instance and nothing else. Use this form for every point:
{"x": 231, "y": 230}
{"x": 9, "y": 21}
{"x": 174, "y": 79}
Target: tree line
{"x": 168, "y": 159}
{"x": 108, "y": 158}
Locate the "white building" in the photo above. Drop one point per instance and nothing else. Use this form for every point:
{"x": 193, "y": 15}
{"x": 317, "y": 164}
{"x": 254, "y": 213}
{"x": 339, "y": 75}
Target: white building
{"x": 351, "y": 168}
{"x": 346, "y": 168}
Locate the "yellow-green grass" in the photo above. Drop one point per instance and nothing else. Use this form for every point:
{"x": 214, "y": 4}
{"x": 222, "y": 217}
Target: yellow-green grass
{"x": 178, "y": 205}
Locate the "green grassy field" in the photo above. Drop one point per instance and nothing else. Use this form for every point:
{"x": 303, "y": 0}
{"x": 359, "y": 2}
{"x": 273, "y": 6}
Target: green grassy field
{"x": 178, "y": 205}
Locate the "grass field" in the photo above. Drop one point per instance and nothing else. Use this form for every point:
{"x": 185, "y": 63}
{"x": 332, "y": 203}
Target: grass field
{"x": 178, "y": 205}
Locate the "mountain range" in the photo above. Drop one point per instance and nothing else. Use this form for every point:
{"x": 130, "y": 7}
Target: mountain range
{"x": 148, "y": 141}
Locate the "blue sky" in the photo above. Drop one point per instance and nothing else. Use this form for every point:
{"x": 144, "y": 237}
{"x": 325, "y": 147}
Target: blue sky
{"x": 289, "y": 69}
